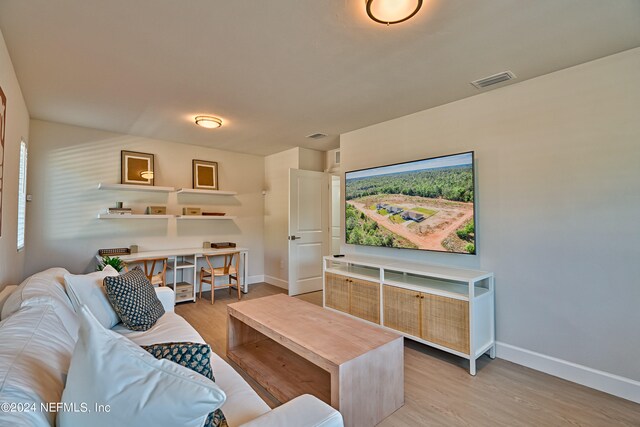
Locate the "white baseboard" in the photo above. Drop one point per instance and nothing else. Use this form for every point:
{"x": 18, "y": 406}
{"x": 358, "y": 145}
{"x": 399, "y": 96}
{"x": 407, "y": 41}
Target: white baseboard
{"x": 609, "y": 383}
{"x": 255, "y": 279}
{"x": 276, "y": 282}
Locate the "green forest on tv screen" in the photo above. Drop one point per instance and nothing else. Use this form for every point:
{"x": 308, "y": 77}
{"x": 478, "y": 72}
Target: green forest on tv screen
{"x": 426, "y": 204}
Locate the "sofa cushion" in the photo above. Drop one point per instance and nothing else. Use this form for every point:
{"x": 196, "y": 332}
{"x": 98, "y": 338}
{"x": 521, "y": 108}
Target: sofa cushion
{"x": 88, "y": 289}
{"x": 46, "y": 283}
{"x": 5, "y": 293}
{"x": 242, "y": 404}
{"x": 35, "y": 352}
{"x": 107, "y": 368}
{"x": 44, "y": 288}
{"x": 134, "y": 299}
{"x": 195, "y": 357}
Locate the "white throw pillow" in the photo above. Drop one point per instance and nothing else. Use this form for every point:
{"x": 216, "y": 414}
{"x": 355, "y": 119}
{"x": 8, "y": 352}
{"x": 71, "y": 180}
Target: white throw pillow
{"x": 88, "y": 289}
{"x": 109, "y": 369}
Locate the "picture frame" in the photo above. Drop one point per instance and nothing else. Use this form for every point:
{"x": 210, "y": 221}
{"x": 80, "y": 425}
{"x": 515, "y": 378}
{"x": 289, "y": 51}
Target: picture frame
{"x": 205, "y": 175}
{"x": 136, "y": 168}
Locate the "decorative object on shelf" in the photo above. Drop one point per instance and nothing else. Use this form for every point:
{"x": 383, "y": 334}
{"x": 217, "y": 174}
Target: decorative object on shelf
{"x": 133, "y": 249}
{"x": 114, "y": 262}
{"x": 156, "y": 210}
{"x": 223, "y": 245}
{"x": 392, "y": 11}
{"x": 114, "y": 251}
{"x": 213, "y": 213}
{"x": 3, "y": 115}
{"x": 136, "y": 168}
{"x": 206, "y": 245}
{"x": 209, "y": 122}
{"x": 119, "y": 210}
{"x": 205, "y": 175}
{"x": 190, "y": 211}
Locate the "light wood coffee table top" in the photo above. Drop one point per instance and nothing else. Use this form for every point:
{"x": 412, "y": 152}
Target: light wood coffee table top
{"x": 331, "y": 336}
{"x": 292, "y": 347}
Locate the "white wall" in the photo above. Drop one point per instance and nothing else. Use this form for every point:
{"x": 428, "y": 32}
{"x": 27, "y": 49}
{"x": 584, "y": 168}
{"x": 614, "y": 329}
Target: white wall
{"x": 276, "y": 219}
{"x": 17, "y": 128}
{"x": 558, "y": 192}
{"x": 66, "y": 164}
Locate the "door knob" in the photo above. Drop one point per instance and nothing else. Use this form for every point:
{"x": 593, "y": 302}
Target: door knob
{"x": 294, "y": 237}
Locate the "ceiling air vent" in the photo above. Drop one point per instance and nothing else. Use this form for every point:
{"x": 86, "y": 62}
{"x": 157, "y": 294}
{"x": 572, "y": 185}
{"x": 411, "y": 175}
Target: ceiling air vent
{"x": 316, "y": 135}
{"x": 493, "y": 80}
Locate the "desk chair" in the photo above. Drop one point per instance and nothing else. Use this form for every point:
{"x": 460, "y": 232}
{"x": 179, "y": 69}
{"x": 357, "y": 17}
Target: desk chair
{"x": 149, "y": 264}
{"x": 230, "y": 268}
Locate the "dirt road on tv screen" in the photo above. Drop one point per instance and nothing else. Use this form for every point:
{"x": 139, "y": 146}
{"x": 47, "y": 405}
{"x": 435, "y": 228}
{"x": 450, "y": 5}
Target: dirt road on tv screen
{"x": 442, "y": 218}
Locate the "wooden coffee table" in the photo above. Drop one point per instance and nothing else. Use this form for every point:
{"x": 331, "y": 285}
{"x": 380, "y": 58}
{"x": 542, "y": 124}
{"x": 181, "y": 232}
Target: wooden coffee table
{"x": 292, "y": 347}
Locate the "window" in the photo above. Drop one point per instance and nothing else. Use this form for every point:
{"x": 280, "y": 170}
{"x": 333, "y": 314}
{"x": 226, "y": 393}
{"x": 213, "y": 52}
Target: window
{"x": 22, "y": 194}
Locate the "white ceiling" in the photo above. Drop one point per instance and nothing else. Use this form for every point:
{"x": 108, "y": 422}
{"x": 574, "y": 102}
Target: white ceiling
{"x": 278, "y": 70}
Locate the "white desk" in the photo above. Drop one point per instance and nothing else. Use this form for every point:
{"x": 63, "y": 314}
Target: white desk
{"x": 176, "y": 262}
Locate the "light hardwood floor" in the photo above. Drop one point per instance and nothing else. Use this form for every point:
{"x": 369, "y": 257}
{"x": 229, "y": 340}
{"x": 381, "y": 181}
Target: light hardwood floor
{"x": 440, "y": 392}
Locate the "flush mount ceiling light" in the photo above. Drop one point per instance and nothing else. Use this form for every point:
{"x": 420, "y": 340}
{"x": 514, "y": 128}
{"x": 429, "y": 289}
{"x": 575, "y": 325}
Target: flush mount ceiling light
{"x": 208, "y": 122}
{"x": 392, "y": 11}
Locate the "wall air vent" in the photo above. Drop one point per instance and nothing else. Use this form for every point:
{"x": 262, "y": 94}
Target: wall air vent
{"x": 493, "y": 80}
{"x": 317, "y": 135}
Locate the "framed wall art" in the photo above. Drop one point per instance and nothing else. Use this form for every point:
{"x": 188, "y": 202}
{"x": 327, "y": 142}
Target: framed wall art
{"x": 136, "y": 168}
{"x": 205, "y": 175}
{"x": 3, "y": 126}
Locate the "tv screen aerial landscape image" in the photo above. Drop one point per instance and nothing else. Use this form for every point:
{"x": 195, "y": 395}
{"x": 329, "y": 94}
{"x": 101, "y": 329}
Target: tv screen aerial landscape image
{"x": 424, "y": 204}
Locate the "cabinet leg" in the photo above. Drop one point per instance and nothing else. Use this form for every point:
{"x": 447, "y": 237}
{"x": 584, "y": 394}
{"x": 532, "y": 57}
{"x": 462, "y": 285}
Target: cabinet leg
{"x": 472, "y": 366}
{"x": 492, "y": 352}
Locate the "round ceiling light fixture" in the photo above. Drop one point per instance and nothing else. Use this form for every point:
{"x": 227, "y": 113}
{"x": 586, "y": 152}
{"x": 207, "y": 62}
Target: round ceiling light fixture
{"x": 209, "y": 122}
{"x": 392, "y": 11}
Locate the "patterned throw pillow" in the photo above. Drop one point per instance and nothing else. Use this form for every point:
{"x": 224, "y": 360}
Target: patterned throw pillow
{"x": 196, "y": 357}
{"x": 134, "y": 299}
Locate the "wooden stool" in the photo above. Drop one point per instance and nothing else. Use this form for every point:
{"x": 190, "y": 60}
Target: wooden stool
{"x": 149, "y": 264}
{"x": 230, "y": 268}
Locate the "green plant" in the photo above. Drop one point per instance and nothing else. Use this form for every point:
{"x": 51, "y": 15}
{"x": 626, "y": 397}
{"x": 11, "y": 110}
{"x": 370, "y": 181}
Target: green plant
{"x": 114, "y": 262}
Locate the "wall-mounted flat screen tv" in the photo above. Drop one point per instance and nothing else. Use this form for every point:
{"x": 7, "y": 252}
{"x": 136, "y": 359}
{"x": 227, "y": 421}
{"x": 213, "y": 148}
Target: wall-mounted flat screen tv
{"x": 424, "y": 204}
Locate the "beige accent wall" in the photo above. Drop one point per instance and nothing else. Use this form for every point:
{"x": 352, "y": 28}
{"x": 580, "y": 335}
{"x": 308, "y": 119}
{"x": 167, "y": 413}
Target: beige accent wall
{"x": 65, "y": 166}
{"x": 558, "y": 193}
{"x": 17, "y": 128}
{"x": 276, "y": 215}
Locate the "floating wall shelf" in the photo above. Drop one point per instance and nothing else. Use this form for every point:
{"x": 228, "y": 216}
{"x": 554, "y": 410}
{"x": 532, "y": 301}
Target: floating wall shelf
{"x": 133, "y": 216}
{"x": 212, "y": 192}
{"x": 158, "y": 189}
{"x": 128, "y": 187}
{"x": 205, "y": 217}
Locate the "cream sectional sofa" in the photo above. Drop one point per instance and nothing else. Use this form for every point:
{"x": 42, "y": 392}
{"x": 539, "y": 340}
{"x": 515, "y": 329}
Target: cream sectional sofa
{"x": 38, "y": 331}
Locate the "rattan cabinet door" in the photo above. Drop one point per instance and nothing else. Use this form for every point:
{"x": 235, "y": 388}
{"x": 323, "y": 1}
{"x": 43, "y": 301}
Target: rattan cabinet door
{"x": 445, "y": 321}
{"x": 337, "y": 292}
{"x": 402, "y": 310}
{"x": 365, "y": 300}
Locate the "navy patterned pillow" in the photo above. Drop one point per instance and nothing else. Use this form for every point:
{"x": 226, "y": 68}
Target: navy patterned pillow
{"x": 134, "y": 299}
{"x": 194, "y": 356}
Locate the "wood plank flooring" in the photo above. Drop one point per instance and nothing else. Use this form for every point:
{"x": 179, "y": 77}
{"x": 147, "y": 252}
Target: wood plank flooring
{"x": 438, "y": 389}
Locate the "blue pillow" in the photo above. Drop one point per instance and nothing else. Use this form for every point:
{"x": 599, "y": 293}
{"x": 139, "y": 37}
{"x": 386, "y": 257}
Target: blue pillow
{"x": 134, "y": 299}
{"x": 194, "y": 356}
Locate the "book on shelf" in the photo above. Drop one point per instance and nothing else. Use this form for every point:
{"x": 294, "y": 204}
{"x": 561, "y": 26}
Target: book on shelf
{"x": 119, "y": 211}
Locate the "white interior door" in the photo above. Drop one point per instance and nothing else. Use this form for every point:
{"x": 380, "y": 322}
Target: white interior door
{"x": 335, "y": 215}
{"x": 309, "y": 211}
